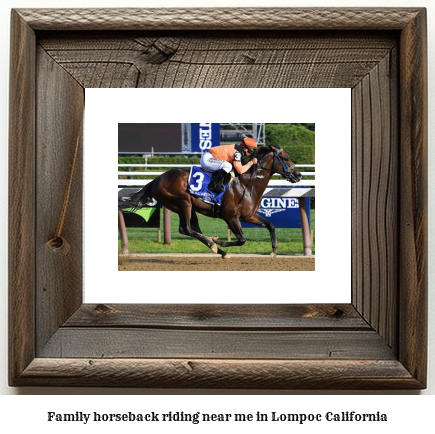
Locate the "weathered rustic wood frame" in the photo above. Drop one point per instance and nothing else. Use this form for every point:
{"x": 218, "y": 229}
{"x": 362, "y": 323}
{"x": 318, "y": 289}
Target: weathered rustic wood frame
{"x": 377, "y": 341}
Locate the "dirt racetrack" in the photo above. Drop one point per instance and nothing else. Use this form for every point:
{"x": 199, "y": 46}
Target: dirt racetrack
{"x": 211, "y": 262}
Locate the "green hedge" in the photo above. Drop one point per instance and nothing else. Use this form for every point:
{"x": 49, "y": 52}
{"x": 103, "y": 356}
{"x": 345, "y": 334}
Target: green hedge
{"x": 297, "y": 140}
{"x": 153, "y": 160}
{"x": 289, "y": 134}
{"x": 158, "y": 160}
{"x": 301, "y": 154}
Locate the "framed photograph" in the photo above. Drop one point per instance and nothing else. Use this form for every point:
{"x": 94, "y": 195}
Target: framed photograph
{"x": 376, "y": 341}
{"x": 326, "y": 107}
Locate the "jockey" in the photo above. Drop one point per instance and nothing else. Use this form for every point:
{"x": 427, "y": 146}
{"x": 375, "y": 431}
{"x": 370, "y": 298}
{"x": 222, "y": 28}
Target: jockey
{"x": 220, "y": 159}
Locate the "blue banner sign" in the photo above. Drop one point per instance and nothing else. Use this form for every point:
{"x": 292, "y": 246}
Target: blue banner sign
{"x": 282, "y": 212}
{"x": 204, "y": 136}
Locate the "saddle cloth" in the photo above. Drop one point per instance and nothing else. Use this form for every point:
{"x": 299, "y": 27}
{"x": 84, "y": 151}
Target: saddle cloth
{"x": 198, "y": 183}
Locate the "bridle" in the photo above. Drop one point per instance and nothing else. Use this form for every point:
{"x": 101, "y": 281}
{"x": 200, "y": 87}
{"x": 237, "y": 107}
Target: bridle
{"x": 276, "y": 156}
{"x": 286, "y": 173}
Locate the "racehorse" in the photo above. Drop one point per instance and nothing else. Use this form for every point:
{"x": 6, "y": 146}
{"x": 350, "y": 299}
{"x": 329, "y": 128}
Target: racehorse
{"x": 240, "y": 201}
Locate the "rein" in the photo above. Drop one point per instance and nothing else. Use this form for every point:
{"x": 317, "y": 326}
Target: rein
{"x": 254, "y": 172}
{"x": 277, "y": 157}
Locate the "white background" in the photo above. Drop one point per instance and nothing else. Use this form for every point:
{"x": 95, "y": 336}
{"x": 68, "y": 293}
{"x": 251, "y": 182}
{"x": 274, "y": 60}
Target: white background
{"x": 327, "y": 108}
{"x": 407, "y": 412}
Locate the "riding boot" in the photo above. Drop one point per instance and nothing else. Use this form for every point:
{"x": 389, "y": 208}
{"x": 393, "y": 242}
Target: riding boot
{"x": 219, "y": 180}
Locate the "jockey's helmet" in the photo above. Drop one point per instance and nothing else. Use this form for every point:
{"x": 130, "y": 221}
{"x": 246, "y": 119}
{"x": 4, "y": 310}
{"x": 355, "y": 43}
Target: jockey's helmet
{"x": 249, "y": 142}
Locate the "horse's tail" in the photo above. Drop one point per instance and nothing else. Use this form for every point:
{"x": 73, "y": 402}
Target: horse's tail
{"x": 137, "y": 200}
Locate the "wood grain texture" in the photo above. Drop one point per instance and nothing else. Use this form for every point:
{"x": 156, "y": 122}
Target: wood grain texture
{"x": 148, "y": 342}
{"x": 21, "y": 198}
{"x": 220, "y": 18}
{"x": 260, "y": 60}
{"x": 228, "y": 374}
{"x": 59, "y": 280}
{"x": 377, "y": 342}
{"x": 414, "y": 202}
{"x": 220, "y": 317}
{"x": 375, "y": 198}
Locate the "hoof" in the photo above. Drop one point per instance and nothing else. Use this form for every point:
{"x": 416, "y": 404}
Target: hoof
{"x": 214, "y": 248}
{"x": 215, "y": 238}
{"x": 273, "y": 255}
{"x": 226, "y": 256}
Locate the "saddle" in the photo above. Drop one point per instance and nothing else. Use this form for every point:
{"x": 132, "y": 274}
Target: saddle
{"x": 199, "y": 180}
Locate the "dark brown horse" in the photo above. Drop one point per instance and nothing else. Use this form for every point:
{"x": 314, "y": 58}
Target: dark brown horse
{"x": 240, "y": 202}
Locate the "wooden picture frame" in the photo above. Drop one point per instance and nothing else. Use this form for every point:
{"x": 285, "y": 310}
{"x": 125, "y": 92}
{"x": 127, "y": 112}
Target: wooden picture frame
{"x": 377, "y": 341}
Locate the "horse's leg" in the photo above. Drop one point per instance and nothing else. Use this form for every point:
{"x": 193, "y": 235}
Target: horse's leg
{"x": 170, "y": 190}
{"x": 194, "y": 224}
{"x": 236, "y": 228}
{"x": 257, "y": 219}
{"x": 185, "y": 228}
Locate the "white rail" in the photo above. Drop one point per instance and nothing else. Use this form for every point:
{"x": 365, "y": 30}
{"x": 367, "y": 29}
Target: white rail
{"x": 272, "y": 182}
{"x": 159, "y": 173}
{"x": 186, "y": 165}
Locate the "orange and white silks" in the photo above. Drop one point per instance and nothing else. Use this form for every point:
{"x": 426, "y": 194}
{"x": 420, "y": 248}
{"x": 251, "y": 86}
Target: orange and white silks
{"x": 230, "y": 154}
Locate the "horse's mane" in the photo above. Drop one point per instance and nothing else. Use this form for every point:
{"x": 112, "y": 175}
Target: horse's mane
{"x": 262, "y": 150}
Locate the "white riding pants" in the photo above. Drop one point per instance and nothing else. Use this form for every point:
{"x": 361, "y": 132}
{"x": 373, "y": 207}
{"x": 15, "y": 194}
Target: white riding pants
{"x": 208, "y": 162}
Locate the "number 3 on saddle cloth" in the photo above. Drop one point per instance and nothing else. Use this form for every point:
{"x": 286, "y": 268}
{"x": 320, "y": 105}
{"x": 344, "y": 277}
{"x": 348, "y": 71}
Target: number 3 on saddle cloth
{"x": 198, "y": 183}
